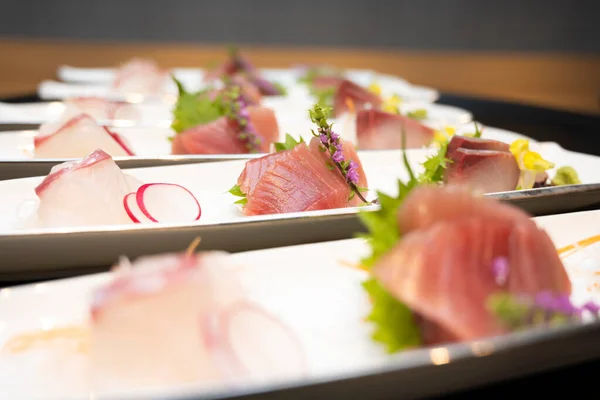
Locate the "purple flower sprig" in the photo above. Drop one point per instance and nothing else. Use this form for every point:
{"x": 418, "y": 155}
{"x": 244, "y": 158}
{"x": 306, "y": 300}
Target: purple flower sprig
{"x": 330, "y": 142}
{"x": 235, "y": 109}
{"x": 543, "y": 308}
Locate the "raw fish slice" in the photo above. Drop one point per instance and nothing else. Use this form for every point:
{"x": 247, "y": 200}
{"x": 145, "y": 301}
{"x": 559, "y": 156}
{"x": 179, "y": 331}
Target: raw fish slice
{"x": 300, "y": 180}
{"x": 178, "y": 319}
{"x": 465, "y": 142}
{"x": 221, "y": 136}
{"x": 484, "y": 170}
{"x": 360, "y": 97}
{"x": 301, "y": 183}
{"x": 99, "y": 108}
{"x": 140, "y": 76}
{"x": 255, "y": 168}
{"x": 380, "y": 130}
{"x": 443, "y": 272}
{"x": 85, "y": 192}
{"x": 77, "y": 137}
{"x": 424, "y": 207}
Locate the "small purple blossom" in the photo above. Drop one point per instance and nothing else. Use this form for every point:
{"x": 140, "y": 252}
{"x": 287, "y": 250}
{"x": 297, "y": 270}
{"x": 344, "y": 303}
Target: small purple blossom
{"x": 330, "y": 142}
{"x": 352, "y": 172}
{"x": 324, "y": 139}
{"x": 338, "y": 157}
{"x": 555, "y": 303}
{"x": 500, "y": 270}
{"x": 591, "y": 307}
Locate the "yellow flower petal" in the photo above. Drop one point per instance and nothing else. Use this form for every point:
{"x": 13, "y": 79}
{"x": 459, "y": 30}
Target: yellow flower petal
{"x": 375, "y": 88}
{"x": 533, "y": 161}
{"x": 450, "y": 131}
{"x": 519, "y": 146}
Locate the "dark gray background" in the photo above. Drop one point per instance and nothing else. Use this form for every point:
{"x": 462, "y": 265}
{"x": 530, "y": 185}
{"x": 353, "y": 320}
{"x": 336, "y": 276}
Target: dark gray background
{"x": 530, "y": 25}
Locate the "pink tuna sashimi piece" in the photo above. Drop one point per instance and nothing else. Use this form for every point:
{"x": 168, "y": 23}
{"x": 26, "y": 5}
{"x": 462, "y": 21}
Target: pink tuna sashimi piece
{"x": 459, "y": 202}
{"x": 221, "y": 136}
{"x": 485, "y": 170}
{"x": 442, "y": 268}
{"x": 99, "y": 108}
{"x": 85, "y": 192}
{"x": 465, "y": 142}
{"x": 300, "y": 181}
{"x": 360, "y": 97}
{"x": 380, "y": 130}
{"x": 175, "y": 319}
{"x": 140, "y": 76}
{"x": 255, "y": 169}
{"x": 77, "y": 137}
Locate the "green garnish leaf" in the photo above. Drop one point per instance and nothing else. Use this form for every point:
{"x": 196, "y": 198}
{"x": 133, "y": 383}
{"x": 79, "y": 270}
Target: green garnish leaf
{"x": 395, "y": 326}
{"x": 477, "y": 131}
{"x": 394, "y": 322}
{"x": 419, "y": 114}
{"x": 566, "y": 176}
{"x": 510, "y": 312}
{"x": 236, "y": 191}
{"x": 289, "y": 143}
{"x": 435, "y": 166}
{"x": 516, "y": 315}
{"x": 193, "y": 109}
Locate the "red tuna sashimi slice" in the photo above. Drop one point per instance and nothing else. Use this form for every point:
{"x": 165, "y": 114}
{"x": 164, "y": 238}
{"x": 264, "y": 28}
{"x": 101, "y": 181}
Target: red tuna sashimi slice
{"x": 255, "y": 168}
{"x": 300, "y": 181}
{"x": 77, "y": 137}
{"x": 360, "y": 97}
{"x": 221, "y": 136}
{"x": 459, "y": 202}
{"x": 149, "y": 325}
{"x": 99, "y": 108}
{"x": 380, "y": 130}
{"x": 484, "y": 170}
{"x": 85, "y": 192}
{"x": 465, "y": 142}
{"x": 443, "y": 269}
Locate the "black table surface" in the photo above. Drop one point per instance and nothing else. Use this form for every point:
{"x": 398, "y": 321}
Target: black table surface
{"x": 573, "y": 131}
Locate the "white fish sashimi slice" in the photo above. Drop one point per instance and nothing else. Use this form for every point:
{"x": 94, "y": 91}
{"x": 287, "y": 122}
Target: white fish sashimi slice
{"x": 168, "y": 202}
{"x": 146, "y": 323}
{"x": 85, "y": 192}
{"x": 77, "y": 137}
{"x": 247, "y": 343}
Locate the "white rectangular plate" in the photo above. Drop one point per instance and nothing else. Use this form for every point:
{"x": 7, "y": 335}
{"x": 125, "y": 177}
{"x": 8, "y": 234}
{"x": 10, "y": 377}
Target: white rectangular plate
{"x": 160, "y": 114}
{"x": 210, "y": 183}
{"x": 315, "y": 291}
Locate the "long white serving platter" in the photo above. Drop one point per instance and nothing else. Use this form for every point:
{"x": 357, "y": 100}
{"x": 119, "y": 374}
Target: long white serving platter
{"x": 314, "y": 290}
{"x": 53, "y": 90}
{"x": 161, "y": 114}
{"x": 223, "y": 224}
